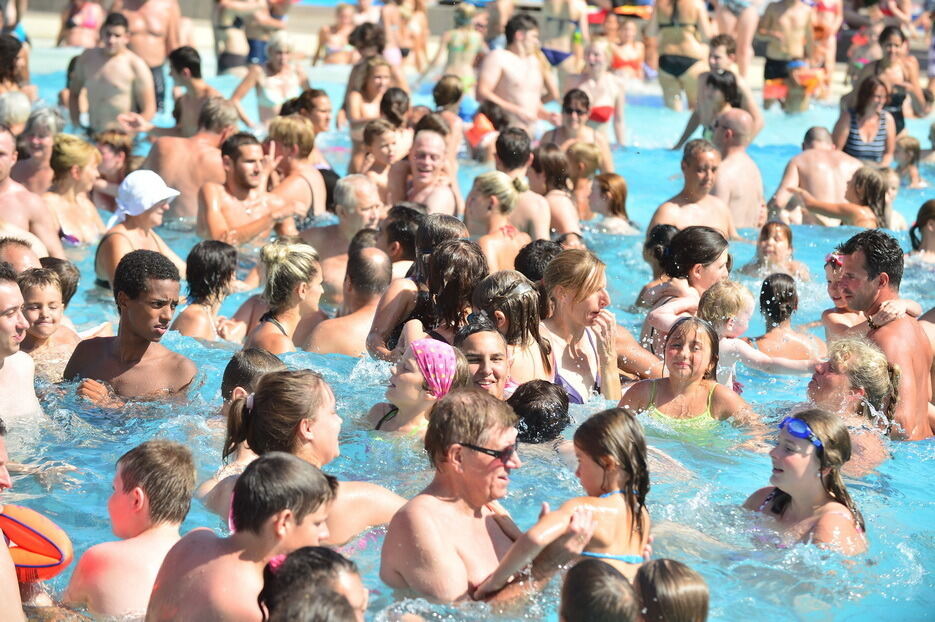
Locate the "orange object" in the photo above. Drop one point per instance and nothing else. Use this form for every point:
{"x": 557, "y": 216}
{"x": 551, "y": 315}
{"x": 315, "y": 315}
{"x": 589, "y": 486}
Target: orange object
{"x": 39, "y": 548}
{"x": 481, "y": 127}
{"x": 809, "y": 79}
{"x": 775, "y": 89}
{"x": 642, "y": 12}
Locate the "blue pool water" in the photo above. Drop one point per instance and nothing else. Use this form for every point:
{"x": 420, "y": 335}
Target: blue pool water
{"x": 892, "y": 581}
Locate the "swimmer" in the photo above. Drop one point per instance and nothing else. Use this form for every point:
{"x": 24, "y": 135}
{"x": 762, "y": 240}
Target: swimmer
{"x": 864, "y": 200}
{"x": 922, "y": 233}
{"x": 906, "y": 155}
{"x": 542, "y": 408}
{"x": 211, "y": 274}
{"x": 396, "y": 236}
{"x": 74, "y": 163}
{"x": 431, "y": 184}
{"x": 584, "y": 161}
{"x": 154, "y": 29}
{"x": 275, "y": 79}
{"x": 576, "y": 110}
{"x": 774, "y": 253}
{"x": 787, "y": 25}
{"x": 486, "y": 352}
{"x": 807, "y": 501}
{"x": 279, "y": 504}
{"x": 134, "y": 364}
{"x": 47, "y": 341}
{"x": 609, "y": 198}
{"x": 513, "y": 156}
{"x": 654, "y": 249}
{"x": 379, "y": 140}
{"x": 300, "y": 180}
{"x": 17, "y": 370}
{"x": 739, "y": 182}
{"x": 548, "y": 176}
{"x": 611, "y": 453}
{"x": 35, "y": 172}
{"x": 152, "y": 493}
{"x": 595, "y": 590}
{"x": 668, "y": 589}
{"x": 778, "y": 302}
{"x": 364, "y": 105}
{"x": 487, "y": 209}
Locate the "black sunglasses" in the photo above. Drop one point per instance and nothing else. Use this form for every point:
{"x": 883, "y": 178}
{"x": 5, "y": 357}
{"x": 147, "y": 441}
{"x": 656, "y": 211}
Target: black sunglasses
{"x": 578, "y": 111}
{"x": 503, "y": 455}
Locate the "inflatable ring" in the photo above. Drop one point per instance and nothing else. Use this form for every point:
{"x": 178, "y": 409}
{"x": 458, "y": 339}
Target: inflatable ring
{"x": 39, "y": 548}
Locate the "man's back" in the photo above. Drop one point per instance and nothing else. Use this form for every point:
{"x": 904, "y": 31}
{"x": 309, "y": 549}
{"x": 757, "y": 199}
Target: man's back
{"x": 825, "y": 172}
{"x": 342, "y": 335}
{"x": 185, "y": 164}
{"x": 906, "y": 345}
{"x": 531, "y": 215}
{"x": 710, "y": 211}
{"x": 740, "y": 185}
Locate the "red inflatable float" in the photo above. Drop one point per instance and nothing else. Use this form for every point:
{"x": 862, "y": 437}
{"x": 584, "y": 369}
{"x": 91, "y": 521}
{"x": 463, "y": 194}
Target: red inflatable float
{"x": 39, "y": 548}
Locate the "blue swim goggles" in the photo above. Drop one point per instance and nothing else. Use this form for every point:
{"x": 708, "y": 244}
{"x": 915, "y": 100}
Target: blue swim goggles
{"x": 799, "y": 429}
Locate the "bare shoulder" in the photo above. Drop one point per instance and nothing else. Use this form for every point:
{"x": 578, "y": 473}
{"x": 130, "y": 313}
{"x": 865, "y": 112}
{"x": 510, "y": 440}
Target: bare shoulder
{"x": 755, "y": 500}
{"x": 377, "y": 411}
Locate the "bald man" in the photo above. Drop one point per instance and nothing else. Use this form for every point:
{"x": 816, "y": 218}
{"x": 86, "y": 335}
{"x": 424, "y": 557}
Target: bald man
{"x": 822, "y": 170}
{"x": 19, "y": 254}
{"x": 739, "y": 183}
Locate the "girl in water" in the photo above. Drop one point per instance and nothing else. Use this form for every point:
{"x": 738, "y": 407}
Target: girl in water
{"x": 654, "y": 249}
{"x": 210, "y": 274}
{"x": 690, "y": 398}
{"x": 907, "y": 155}
{"x": 865, "y": 200}
{"x": 511, "y": 301}
{"x": 426, "y": 373}
{"x": 364, "y": 105}
{"x": 487, "y": 216}
{"x": 774, "y": 253}
{"x": 611, "y": 453}
{"x": 922, "y": 233}
{"x": 548, "y": 176}
{"x": 275, "y": 82}
{"x": 609, "y": 198}
{"x": 779, "y": 300}
{"x": 74, "y": 165}
{"x": 487, "y": 358}
{"x": 807, "y": 501}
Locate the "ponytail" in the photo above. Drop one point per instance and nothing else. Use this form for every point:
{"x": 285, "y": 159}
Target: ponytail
{"x": 889, "y": 403}
{"x": 238, "y": 419}
{"x": 836, "y": 488}
{"x": 915, "y": 236}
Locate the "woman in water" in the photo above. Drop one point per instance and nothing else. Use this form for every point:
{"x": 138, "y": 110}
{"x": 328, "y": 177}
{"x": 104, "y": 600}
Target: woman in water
{"x": 605, "y": 90}
{"x": 778, "y": 302}
{"x": 314, "y": 105}
{"x": 609, "y": 198}
{"x": 294, "y": 412}
{"x": 511, "y": 301}
{"x": 807, "y": 501}
{"x": 426, "y": 373}
{"x": 210, "y": 274}
{"x": 293, "y": 289}
{"x": 486, "y": 352}
{"x": 690, "y": 398}
{"x": 681, "y": 25}
{"x": 548, "y": 176}
{"x": 74, "y": 165}
{"x": 487, "y": 216}
{"x": 576, "y": 110}
{"x": 275, "y": 81}
{"x": 922, "y": 233}
{"x": 580, "y": 329}
{"x": 654, "y": 249}
{"x": 865, "y": 200}
{"x": 364, "y": 105}
{"x": 461, "y": 45}
{"x": 142, "y": 200}
{"x": 81, "y": 24}
{"x": 867, "y": 131}
{"x": 627, "y": 52}
{"x": 774, "y": 253}
{"x": 611, "y": 452}
{"x": 333, "y": 45}
{"x": 35, "y": 172}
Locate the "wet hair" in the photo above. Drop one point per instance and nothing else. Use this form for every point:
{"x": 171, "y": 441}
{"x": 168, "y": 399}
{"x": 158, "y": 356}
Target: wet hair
{"x": 432, "y": 122}
{"x": 293, "y": 130}
{"x": 495, "y": 114}
{"x": 542, "y": 408}
{"x": 925, "y": 214}
{"x": 725, "y": 82}
{"x": 376, "y": 128}
{"x": 616, "y": 433}
{"x": 281, "y": 401}
{"x": 275, "y": 482}
{"x": 778, "y": 299}
{"x": 767, "y": 230}
{"x": 698, "y": 325}
{"x": 912, "y": 147}
{"x": 866, "y": 90}
{"x": 513, "y": 148}
{"x": 464, "y": 416}
{"x": 577, "y": 271}
{"x": 364, "y": 238}
{"x": 394, "y": 105}
{"x": 287, "y": 265}
{"x": 871, "y": 188}
{"x": 231, "y": 146}
{"x": 7, "y": 273}
{"x": 551, "y": 161}
{"x": 115, "y": 19}
{"x": 9, "y": 49}
{"x": 692, "y": 246}
{"x": 448, "y": 91}
{"x": 890, "y": 31}
{"x": 401, "y": 224}
{"x": 576, "y": 96}
{"x": 68, "y": 276}
{"x": 867, "y": 368}
{"x": 314, "y": 605}
{"x": 500, "y": 185}
{"x": 137, "y": 268}
{"x": 166, "y": 473}
{"x": 186, "y": 57}
{"x": 521, "y": 22}
{"x": 209, "y": 270}
{"x": 722, "y": 301}
{"x": 615, "y": 188}
{"x": 882, "y": 254}
{"x": 834, "y": 452}
{"x": 657, "y": 243}
{"x": 727, "y": 41}
{"x": 695, "y": 148}
{"x": 217, "y": 114}
{"x": 534, "y": 258}
{"x": 435, "y": 229}
{"x": 670, "y": 591}
{"x": 69, "y": 151}
{"x": 47, "y": 118}
{"x": 455, "y": 267}
{"x": 368, "y": 35}
{"x": 245, "y": 369}
{"x": 512, "y": 294}
{"x": 303, "y": 570}
{"x": 38, "y": 277}
{"x": 367, "y": 274}
{"x": 595, "y": 591}
{"x": 584, "y": 153}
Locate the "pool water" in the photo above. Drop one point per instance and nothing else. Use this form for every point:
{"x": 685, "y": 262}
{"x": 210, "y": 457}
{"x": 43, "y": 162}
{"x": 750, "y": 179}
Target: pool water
{"x": 694, "y": 504}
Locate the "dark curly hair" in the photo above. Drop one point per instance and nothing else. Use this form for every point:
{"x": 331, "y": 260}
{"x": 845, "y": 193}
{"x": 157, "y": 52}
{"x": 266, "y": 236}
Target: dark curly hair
{"x": 882, "y": 254}
{"x": 137, "y": 268}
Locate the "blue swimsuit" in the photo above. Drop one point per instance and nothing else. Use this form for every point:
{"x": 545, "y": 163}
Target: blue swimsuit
{"x": 627, "y": 559}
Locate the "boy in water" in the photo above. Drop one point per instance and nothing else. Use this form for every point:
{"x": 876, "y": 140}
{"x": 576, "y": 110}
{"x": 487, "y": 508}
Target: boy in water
{"x": 48, "y": 340}
{"x": 152, "y": 494}
{"x": 380, "y": 142}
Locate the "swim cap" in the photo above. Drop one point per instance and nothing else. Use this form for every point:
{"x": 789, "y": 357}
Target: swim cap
{"x": 436, "y": 361}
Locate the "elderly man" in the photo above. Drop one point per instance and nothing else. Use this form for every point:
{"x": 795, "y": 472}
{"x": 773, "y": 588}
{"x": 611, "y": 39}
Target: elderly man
{"x": 452, "y": 535}
{"x": 738, "y": 182}
{"x": 694, "y": 205}
{"x": 425, "y": 170}
{"x": 187, "y": 164}
{"x": 358, "y": 206}
{"x": 822, "y": 170}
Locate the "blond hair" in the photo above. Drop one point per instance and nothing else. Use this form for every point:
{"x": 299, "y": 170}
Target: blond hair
{"x": 723, "y": 301}
{"x": 500, "y": 185}
{"x": 280, "y": 41}
{"x": 288, "y": 264}
{"x": 576, "y": 270}
{"x": 911, "y": 146}
{"x": 670, "y": 591}
{"x": 293, "y": 130}
{"x": 69, "y": 151}
{"x": 867, "y": 368}
{"x": 587, "y": 154}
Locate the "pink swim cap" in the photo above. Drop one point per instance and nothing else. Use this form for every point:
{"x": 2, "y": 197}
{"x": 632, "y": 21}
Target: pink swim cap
{"x": 437, "y": 362}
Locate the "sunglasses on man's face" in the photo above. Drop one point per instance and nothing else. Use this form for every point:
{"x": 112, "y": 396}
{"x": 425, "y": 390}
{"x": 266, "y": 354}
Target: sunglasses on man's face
{"x": 503, "y": 455}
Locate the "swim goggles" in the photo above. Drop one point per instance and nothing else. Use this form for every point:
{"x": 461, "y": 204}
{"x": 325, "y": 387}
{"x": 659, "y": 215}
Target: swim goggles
{"x": 503, "y": 455}
{"x": 799, "y": 429}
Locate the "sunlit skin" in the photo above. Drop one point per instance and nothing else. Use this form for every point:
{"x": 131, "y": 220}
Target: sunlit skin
{"x": 43, "y": 309}
{"x": 688, "y": 356}
{"x": 488, "y": 362}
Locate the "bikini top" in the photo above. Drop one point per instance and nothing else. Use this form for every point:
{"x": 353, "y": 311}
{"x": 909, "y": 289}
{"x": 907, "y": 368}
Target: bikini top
{"x": 673, "y": 19}
{"x": 703, "y": 421}
{"x": 573, "y": 396}
{"x": 389, "y": 415}
{"x": 601, "y": 114}
{"x": 627, "y": 559}
{"x": 268, "y": 317}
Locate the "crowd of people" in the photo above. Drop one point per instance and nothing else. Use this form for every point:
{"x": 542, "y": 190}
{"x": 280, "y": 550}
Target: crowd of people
{"x": 494, "y": 314}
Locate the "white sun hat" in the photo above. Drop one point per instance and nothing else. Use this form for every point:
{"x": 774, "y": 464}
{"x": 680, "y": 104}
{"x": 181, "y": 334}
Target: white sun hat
{"x": 139, "y": 191}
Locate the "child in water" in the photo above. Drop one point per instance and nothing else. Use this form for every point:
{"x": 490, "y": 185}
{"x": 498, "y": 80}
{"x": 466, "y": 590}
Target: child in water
{"x": 48, "y": 341}
{"x": 774, "y": 253}
{"x": 611, "y": 452}
{"x": 907, "y": 154}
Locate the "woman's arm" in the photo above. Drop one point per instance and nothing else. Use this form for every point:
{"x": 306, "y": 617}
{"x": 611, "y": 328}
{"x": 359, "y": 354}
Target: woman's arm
{"x": 395, "y": 305}
{"x": 249, "y": 82}
{"x": 620, "y": 119}
{"x": 664, "y": 316}
{"x": 636, "y": 398}
{"x": 322, "y": 37}
{"x": 751, "y": 357}
{"x": 890, "y": 140}
{"x": 848, "y": 212}
{"x": 841, "y": 130}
